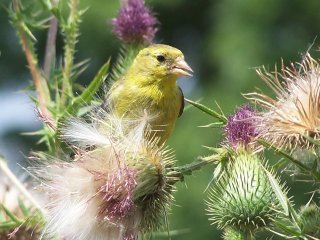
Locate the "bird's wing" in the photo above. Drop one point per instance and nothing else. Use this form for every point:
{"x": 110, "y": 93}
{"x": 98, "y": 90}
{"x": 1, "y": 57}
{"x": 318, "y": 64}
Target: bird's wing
{"x": 182, "y": 103}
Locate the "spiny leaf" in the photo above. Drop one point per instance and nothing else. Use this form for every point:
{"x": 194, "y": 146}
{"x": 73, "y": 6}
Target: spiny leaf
{"x": 10, "y": 214}
{"x": 28, "y": 31}
{"x": 277, "y": 189}
{"x": 46, "y": 3}
{"x": 124, "y": 61}
{"x": 86, "y": 97}
{"x": 23, "y": 208}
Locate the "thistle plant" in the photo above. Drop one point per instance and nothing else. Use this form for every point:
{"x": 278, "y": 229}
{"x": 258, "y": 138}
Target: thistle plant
{"x": 104, "y": 176}
{"x": 246, "y": 195}
{"x": 100, "y": 175}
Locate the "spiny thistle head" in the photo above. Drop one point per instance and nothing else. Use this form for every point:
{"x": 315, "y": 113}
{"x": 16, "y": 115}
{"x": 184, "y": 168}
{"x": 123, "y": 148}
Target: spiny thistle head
{"x": 135, "y": 23}
{"x": 295, "y": 112}
{"x": 119, "y": 190}
{"x": 243, "y": 198}
{"x": 309, "y": 220}
{"x": 241, "y": 127}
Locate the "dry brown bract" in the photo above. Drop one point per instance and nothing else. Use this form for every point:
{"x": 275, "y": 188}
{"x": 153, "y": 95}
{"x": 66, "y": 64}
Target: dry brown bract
{"x": 295, "y": 112}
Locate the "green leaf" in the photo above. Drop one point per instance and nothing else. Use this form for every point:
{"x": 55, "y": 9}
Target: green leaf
{"x": 8, "y": 225}
{"x": 288, "y": 231}
{"x": 277, "y": 189}
{"x": 86, "y": 97}
{"x": 57, "y": 13}
{"x": 280, "y": 164}
{"x": 23, "y": 208}
{"x": 10, "y": 214}
{"x": 47, "y": 4}
{"x": 28, "y": 31}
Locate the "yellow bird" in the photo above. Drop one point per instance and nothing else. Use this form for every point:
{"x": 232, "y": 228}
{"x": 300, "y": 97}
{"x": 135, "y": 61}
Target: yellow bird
{"x": 150, "y": 85}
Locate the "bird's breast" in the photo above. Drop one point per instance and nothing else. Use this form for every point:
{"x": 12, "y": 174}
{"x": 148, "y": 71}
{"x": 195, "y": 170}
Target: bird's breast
{"x": 162, "y": 104}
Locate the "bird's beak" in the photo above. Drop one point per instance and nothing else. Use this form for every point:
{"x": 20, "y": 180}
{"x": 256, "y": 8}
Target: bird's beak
{"x": 181, "y": 68}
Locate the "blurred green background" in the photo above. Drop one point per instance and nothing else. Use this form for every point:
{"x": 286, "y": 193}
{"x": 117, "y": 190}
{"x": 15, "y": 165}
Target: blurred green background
{"x": 223, "y": 41}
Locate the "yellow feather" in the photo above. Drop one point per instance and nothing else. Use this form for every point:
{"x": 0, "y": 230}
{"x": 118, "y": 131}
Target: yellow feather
{"x": 150, "y": 86}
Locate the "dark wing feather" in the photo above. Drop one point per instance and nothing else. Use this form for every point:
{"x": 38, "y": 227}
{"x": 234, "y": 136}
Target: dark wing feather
{"x": 182, "y": 102}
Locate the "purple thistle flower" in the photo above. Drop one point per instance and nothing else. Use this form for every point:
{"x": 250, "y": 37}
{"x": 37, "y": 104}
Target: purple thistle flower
{"x": 117, "y": 194}
{"x": 135, "y": 22}
{"x": 241, "y": 127}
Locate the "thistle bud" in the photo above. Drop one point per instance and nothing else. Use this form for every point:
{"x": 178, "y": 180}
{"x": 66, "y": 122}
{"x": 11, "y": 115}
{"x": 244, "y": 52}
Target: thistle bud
{"x": 309, "y": 220}
{"x": 243, "y": 198}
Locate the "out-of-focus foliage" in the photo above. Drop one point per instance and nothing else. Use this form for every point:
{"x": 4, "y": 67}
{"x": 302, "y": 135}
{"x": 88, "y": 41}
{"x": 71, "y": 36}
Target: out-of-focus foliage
{"x": 225, "y": 41}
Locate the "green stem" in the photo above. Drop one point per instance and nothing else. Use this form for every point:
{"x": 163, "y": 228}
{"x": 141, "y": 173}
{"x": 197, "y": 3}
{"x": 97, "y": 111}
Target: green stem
{"x": 208, "y": 111}
{"x": 189, "y": 168}
{"x": 71, "y": 34}
{"x": 88, "y": 93}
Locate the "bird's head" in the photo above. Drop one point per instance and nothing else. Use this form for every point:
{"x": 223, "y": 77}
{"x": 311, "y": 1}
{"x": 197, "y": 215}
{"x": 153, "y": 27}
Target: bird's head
{"x": 162, "y": 62}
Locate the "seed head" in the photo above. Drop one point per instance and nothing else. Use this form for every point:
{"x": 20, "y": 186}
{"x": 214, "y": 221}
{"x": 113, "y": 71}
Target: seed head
{"x": 120, "y": 189}
{"x": 295, "y": 113}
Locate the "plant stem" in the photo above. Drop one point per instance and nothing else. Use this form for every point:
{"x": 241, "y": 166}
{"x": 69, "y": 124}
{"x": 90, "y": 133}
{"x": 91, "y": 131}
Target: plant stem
{"x": 39, "y": 81}
{"x": 189, "y": 168}
{"x": 7, "y": 172}
{"x": 208, "y": 111}
{"x": 51, "y": 44}
{"x": 71, "y": 34}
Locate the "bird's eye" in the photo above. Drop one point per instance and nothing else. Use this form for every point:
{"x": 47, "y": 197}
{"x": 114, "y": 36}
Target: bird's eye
{"x": 161, "y": 58}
